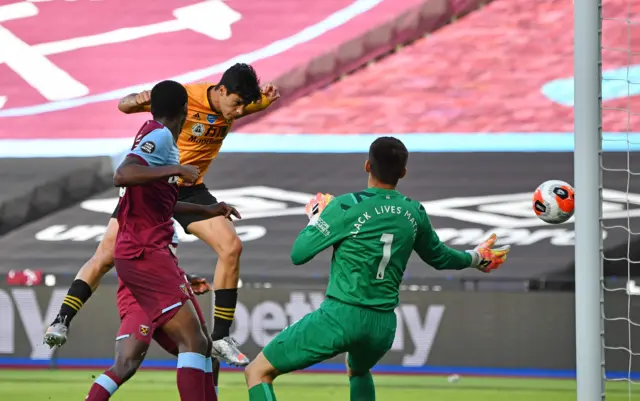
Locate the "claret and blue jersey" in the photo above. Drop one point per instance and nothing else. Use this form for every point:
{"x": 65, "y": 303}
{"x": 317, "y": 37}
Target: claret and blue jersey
{"x": 157, "y": 147}
{"x": 145, "y": 211}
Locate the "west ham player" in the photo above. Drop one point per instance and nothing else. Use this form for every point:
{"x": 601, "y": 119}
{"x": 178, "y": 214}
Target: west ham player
{"x": 212, "y": 110}
{"x": 144, "y": 258}
{"x": 373, "y": 233}
{"x": 136, "y": 331}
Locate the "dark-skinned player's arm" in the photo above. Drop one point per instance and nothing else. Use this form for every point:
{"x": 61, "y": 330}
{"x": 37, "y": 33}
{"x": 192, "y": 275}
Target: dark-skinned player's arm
{"x": 135, "y": 171}
{"x": 270, "y": 94}
{"x": 327, "y": 227}
{"x": 439, "y": 256}
{"x": 151, "y": 159}
{"x": 214, "y": 210}
{"x": 135, "y": 103}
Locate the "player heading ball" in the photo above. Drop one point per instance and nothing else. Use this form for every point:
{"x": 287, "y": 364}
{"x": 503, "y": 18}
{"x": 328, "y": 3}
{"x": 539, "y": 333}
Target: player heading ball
{"x": 373, "y": 233}
{"x": 144, "y": 257}
{"x": 212, "y": 108}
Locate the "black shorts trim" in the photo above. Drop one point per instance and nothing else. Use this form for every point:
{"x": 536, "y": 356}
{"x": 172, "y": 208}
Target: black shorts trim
{"x": 198, "y": 194}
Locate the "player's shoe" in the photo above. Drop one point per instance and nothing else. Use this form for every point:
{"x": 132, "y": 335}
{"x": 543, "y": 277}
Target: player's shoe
{"x": 226, "y": 349}
{"x": 56, "y": 335}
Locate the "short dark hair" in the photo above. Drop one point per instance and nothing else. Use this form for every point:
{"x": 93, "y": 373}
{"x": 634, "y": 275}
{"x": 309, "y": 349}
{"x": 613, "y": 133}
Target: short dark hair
{"x": 388, "y": 158}
{"x": 168, "y": 99}
{"x": 242, "y": 80}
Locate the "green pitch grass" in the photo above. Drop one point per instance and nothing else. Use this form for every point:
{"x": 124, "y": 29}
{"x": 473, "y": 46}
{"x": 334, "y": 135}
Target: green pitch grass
{"x": 160, "y": 386}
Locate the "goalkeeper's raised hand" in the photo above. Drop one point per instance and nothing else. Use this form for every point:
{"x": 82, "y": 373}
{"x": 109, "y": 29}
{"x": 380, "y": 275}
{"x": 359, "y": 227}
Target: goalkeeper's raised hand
{"x": 486, "y": 258}
{"x": 316, "y": 205}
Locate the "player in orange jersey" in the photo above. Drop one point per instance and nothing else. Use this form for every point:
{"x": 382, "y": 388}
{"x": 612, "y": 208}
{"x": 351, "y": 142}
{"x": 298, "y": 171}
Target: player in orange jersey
{"x": 212, "y": 109}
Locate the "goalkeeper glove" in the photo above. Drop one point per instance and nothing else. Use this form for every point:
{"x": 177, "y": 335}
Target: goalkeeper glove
{"x": 485, "y": 258}
{"x": 317, "y": 204}
{"x": 199, "y": 285}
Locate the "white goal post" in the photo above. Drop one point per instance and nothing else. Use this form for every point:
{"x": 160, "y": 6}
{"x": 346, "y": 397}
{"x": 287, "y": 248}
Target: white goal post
{"x": 587, "y": 180}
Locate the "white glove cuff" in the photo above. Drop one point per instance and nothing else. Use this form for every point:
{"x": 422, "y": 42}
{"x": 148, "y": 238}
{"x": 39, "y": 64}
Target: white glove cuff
{"x": 313, "y": 219}
{"x": 475, "y": 258}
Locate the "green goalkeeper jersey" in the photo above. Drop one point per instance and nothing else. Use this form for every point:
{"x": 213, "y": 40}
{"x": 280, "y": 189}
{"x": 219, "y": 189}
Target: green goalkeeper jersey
{"x": 373, "y": 233}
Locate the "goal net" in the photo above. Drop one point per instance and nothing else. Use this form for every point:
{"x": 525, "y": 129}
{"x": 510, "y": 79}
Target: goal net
{"x": 619, "y": 23}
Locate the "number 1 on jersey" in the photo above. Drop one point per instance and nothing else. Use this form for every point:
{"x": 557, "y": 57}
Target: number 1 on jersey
{"x": 387, "y": 239}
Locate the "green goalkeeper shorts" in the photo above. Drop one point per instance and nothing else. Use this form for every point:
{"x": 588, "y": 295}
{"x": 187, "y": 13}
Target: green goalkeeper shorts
{"x": 332, "y": 329}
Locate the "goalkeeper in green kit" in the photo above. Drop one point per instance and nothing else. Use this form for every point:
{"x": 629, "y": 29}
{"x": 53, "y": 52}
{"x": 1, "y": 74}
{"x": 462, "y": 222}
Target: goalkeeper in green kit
{"x": 373, "y": 233}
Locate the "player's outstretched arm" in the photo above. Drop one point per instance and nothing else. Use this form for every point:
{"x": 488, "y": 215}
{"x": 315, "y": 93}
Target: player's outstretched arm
{"x": 133, "y": 171}
{"x": 135, "y": 103}
{"x": 325, "y": 228}
{"x": 438, "y": 255}
{"x": 214, "y": 210}
{"x": 486, "y": 258}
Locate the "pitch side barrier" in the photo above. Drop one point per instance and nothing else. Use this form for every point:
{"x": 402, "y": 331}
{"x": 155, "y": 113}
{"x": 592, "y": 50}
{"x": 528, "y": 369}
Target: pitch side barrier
{"x": 444, "y": 332}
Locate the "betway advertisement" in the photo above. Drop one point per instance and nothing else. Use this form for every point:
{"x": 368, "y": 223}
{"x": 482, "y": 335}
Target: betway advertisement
{"x": 456, "y": 329}
{"x": 431, "y": 328}
{"x": 260, "y": 315}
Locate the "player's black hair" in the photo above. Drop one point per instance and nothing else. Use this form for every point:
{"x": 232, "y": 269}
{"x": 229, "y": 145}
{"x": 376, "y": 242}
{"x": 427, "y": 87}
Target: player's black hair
{"x": 242, "y": 80}
{"x": 168, "y": 99}
{"x": 388, "y": 158}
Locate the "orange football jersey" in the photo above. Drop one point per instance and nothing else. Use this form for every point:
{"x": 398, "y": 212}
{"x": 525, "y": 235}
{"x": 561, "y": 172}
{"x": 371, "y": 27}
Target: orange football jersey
{"x": 205, "y": 130}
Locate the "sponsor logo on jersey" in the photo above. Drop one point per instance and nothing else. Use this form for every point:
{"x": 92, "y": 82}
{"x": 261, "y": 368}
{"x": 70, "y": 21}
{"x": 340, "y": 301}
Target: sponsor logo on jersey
{"x": 322, "y": 226}
{"x": 211, "y": 118}
{"x": 148, "y": 147}
{"x": 196, "y": 116}
{"x": 197, "y": 130}
{"x": 205, "y": 141}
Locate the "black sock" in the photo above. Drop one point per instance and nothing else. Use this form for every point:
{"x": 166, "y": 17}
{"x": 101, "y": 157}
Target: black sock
{"x": 224, "y": 310}
{"x": 78, "y": 294}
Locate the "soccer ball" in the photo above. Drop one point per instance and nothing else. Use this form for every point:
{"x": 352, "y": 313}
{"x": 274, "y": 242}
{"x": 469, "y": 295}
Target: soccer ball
{"x": 553, "y": 201}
